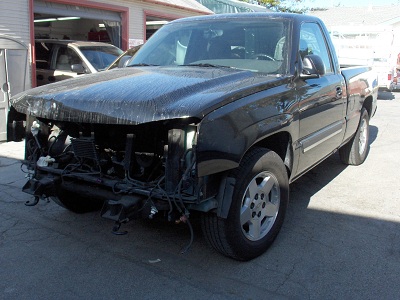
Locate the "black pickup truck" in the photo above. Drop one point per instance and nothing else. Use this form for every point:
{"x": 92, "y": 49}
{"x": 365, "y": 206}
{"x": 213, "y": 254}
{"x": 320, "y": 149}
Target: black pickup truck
{"x": 214, "y": 116}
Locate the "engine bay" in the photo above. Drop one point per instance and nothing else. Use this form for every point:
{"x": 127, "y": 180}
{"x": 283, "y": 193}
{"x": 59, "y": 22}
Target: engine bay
{"x": 132, "y": 171}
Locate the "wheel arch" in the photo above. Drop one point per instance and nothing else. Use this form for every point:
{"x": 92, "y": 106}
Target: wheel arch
{"x": 368, "y": 104}
{"x": 280, "y": 143}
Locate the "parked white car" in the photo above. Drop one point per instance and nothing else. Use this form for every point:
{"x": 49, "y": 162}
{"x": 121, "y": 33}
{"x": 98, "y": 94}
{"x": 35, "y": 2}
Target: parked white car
{"x": 386, "y": 72}
{"x": 62, "y": 59}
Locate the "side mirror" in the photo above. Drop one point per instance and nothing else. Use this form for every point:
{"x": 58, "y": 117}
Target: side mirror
{"x": 78, "y": 68}
{"x": 313, "y": 67}
{"x": 124, "y": 61}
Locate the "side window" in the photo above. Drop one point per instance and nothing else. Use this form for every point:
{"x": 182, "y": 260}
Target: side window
{"x": 312, "y": 41}
{"x": 65, "y": 58}
{"x": 43, "y": 55}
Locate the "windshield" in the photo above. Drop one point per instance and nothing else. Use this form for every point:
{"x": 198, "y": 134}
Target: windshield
{"x": 100, "y": 56}
{"x": 123, "y": 59}
{"x": 256, "y": 44}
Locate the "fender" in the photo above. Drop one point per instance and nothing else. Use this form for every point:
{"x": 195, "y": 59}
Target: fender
{"x": 226, "y": 134}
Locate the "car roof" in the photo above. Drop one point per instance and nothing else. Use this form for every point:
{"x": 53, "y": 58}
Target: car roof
{"x": 72, "y": 42}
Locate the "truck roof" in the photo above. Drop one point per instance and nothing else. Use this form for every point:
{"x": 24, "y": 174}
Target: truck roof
{"x": 251, "y": 16}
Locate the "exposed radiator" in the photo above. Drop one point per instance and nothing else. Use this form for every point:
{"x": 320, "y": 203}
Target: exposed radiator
{"x": 84, "y": 148}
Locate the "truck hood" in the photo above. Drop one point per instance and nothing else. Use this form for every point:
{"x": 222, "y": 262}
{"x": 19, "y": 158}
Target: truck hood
{"x": 142, "y": 94}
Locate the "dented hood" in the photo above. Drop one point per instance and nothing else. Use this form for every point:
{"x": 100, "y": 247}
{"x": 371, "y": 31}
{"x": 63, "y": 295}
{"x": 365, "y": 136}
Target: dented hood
{"x": 140, "y": 95}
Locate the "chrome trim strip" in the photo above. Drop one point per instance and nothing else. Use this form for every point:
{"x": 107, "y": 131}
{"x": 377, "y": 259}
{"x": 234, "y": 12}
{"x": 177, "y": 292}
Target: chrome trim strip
{"x": 321, "y": 136}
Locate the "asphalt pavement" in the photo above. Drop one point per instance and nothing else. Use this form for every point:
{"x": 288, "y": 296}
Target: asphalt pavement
{"x": 340, "y": 240}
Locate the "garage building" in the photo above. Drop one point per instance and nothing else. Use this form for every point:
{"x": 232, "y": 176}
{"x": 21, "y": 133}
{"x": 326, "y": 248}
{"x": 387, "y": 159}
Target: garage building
{"x": 123, "y": 23}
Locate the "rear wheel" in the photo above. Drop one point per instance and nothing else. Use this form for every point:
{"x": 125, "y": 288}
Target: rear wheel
{"x": 77, "y": 203}
{"x": 256, "y": 215}
{"x": 356, "y": 150}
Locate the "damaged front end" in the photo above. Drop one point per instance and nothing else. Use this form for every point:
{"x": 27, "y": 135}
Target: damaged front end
{"x": 128, "y": 171}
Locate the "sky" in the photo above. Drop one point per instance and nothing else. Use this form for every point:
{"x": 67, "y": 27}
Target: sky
{"x": 347, "y": 3}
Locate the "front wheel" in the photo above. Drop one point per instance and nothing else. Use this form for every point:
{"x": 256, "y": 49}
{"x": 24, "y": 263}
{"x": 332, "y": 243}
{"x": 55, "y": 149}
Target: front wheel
{"x": 256, "y": 215}
{"x": 356, "y": 150}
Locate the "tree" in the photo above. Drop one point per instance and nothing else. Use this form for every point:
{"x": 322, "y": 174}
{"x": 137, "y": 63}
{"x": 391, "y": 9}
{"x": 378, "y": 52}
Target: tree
{"x": 281, "y": 5}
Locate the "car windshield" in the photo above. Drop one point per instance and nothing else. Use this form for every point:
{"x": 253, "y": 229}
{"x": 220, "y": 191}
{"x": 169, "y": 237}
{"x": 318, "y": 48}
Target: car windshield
{"x": 100, "y": 56}
{"x": 255, "y": 44}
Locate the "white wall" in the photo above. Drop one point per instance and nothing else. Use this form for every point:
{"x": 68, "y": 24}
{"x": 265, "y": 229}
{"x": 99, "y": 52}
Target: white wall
{"x": 14, "y": 22}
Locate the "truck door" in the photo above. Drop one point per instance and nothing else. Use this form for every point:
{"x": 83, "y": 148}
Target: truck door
{"x": 53, "y": 62}
{"x": 321, "y": 102}
{"x": 44, "y": 53}
{"x": 65, "y": 57}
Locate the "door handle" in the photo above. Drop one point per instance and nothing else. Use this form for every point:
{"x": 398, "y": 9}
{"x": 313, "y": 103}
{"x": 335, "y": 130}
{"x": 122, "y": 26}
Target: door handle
{"x": 339, "y": 92}
{"x": 4, "y": 88}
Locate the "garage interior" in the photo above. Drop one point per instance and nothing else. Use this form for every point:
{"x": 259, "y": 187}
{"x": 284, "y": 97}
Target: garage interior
{"x": 62, "y": 21}
{"x": 153, "y": 24}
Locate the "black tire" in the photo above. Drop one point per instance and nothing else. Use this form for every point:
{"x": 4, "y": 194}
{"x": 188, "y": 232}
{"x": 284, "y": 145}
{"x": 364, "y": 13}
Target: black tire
{"x": 258, "y": 208}
{"x": 76, "y": 203}
{"x": 356, "y": 150}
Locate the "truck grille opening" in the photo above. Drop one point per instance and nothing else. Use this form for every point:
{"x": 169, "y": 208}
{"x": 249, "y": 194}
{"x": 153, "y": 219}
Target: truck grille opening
{"x": 84, "y": 148}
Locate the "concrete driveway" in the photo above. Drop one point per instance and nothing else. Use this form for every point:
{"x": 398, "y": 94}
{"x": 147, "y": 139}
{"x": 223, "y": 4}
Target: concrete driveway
{"x": 340, "y": 240}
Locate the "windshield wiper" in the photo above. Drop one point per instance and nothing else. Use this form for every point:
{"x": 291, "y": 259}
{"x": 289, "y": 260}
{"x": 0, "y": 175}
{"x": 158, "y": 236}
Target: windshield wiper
{"x": 207, "y": 65}
{"x": 142, "y": 65}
